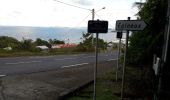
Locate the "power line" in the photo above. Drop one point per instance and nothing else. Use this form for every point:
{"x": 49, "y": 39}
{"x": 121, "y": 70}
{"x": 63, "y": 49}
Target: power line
{"x": 98, "y": 16}
{"x": 77, "y": 24}
{"x": 72, "y": 5}
{"x": 102, "y": 19}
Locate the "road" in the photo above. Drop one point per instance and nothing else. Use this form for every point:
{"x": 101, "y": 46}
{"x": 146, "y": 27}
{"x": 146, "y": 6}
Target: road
{"x": 33, "y": 64}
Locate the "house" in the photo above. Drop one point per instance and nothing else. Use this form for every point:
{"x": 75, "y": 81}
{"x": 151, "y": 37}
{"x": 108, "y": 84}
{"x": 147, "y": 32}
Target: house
{"x": 42, "y": 47}
{"x": 8, "y": 48}
{"x": 64, "y": 46}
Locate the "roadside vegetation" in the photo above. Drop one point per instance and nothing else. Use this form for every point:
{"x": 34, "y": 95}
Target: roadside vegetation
{"x": 105, "y": 89}
{"x": 88, "y": 46}
{"x": 108, "y": 89}
{"x": 10, "y": 46}
{"x": 144, "y": 44}
{"x": 140, "y": 81}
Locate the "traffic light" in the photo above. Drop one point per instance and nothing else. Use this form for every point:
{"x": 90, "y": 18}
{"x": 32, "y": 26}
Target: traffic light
{"x": 119, "y": 35}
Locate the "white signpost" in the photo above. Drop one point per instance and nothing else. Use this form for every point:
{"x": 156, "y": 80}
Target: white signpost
{"x": 130, "y": 25}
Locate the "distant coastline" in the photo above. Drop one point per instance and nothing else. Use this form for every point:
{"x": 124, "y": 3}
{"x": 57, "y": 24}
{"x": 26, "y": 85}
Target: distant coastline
{"x": 29, "y": 32}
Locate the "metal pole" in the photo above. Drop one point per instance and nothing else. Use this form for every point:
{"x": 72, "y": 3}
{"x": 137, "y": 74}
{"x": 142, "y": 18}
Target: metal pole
{"x": 95, "y": 68}
{"x": 93, "y": 13}
{"x": 118, "y": 59}
{"x": 124, "y": 65}
{"x": 164, "y": 52}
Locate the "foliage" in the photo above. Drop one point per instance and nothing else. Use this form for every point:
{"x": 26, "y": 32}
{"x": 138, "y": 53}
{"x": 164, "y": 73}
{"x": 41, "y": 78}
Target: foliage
{"x": 87, "y": 46}
{"x": 40, "y": 42}
{"x": 6, "y": 41}
{"x": 144, "y": 44}
{"x": 27, "y": 45}
{"x": 55, "y": 41}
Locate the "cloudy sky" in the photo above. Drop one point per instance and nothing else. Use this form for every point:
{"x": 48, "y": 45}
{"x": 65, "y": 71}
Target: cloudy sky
{"x": 53, "y": 13}
{"x": 61, "y": 13}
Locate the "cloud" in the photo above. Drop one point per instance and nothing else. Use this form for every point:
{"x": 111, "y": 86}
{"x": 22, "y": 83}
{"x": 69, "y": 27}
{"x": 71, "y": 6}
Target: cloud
{"x": 83, "y": 2}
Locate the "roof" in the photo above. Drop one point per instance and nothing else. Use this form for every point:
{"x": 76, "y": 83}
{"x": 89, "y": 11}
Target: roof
{"x": 42, "y": 47}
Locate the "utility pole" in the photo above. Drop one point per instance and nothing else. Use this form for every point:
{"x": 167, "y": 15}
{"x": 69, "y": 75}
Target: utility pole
{"x": 93, "y": 15}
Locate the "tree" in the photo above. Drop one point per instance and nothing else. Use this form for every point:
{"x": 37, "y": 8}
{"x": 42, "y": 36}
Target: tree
{"x": 55, "y": 41}
{"x": 144, "y": 44}
{"x": 6, "y": 41}
{"x": 86, "y": 44}
{"x": 40, "y": 42}
{"x": 27, "y": 45}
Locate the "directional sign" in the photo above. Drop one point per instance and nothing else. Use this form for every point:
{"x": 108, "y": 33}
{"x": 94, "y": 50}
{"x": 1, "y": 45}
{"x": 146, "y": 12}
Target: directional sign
{"x": 130, "y": 25}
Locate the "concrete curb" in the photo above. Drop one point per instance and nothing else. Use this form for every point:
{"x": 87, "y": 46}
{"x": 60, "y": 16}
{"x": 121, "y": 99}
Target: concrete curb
{"x": 63, "y": 95}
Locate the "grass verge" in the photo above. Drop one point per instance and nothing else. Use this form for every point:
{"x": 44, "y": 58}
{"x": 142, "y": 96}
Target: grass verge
{"x": 105, "y": 89}
{"x": 138, "y": 86}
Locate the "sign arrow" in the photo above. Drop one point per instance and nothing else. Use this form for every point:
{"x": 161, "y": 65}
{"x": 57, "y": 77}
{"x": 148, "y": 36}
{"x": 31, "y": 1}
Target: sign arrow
{"x": 130, "y": 25}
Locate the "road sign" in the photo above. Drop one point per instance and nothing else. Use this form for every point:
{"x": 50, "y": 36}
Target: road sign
{"x": 130, "y": 25}
{"x": 119, "y": 35}
{"x": 96, "y": 26}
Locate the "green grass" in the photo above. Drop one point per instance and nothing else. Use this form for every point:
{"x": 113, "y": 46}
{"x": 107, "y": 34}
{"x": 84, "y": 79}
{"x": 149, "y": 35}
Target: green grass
{"x": 138, "y": 86}
{"x": 105, "y": 89}
{"x": 19, "y": 53}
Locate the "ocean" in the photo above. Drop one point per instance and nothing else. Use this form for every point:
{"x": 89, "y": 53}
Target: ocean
{"x": 61, "y": 33}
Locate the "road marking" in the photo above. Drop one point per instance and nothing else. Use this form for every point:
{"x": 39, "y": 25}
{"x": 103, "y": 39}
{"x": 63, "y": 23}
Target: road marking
{"x": 23, "y": 62}
{"x": 74, "y": 58}
{"x": 65, "y": 59}
{"x": 111, "y": 59}
{"x": 2, "y": 76}
{"x": 41, "y": 57}
{"x": 87, "y": 57}
{"x": 74, "y": 65}
{"x": 80, "y": 54}
{"x": 105, "y": 55}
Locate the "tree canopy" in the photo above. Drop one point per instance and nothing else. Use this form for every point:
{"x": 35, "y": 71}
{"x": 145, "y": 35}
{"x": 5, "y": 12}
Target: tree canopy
{"x": 6, "y": 41}
{"x": 26, "y": 44}
{"x": 148, "y": 42}
{"x": 86, "y": 44}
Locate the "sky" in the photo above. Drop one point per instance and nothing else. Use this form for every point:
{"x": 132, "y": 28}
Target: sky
{"x": 53, "y": 13}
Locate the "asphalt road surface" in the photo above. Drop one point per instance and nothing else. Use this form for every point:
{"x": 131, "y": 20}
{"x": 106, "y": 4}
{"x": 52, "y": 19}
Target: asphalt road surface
{"x": 33, "y": 64}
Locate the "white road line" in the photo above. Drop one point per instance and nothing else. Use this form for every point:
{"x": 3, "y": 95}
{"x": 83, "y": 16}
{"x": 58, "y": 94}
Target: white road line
{"x": 74, "y": 65}
{"x": 111, "y": 59}
{"x": 105, "y": 55}
{"x": 74, "y": 58}
{"x": 88, "y": 56}
{"x": 23, "y": 62}
{"x": 80, "y": 54}
{"x": 41, "y": 56}
{"x": 2, "y": 76}
{"x": 65, "y": 59}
